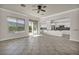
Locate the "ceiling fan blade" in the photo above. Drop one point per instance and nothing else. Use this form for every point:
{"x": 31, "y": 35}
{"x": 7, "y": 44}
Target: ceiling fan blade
{"x": 23, "y": 5}
{"x": 44, "y": 6}
{"x": 43, "y": 10}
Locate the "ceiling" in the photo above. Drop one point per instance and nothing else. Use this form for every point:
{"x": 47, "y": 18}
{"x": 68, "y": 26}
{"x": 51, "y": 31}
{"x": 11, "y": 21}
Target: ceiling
{"x": 50, "y": 9}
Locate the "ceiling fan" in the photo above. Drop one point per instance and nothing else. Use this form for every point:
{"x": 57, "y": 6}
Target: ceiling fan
{"x": 40, "y": 8}
{"x": 22, "y": 5}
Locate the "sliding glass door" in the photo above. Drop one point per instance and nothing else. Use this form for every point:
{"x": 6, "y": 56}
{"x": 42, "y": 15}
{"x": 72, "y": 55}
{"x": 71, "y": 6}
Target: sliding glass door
{"x": 33, "y": 27}
{"x": 30, "y": 27}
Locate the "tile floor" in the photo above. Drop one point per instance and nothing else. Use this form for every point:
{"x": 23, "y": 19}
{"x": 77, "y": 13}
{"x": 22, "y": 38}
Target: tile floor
{"x": 41, "y": 45}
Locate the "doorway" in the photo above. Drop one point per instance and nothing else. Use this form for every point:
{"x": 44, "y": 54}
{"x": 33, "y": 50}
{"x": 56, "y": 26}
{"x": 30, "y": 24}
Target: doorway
{"x": 33, "y": 27}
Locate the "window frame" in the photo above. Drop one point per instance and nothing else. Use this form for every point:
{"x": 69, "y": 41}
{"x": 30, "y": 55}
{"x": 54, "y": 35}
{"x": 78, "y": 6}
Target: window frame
{"x": 16, "y": 18}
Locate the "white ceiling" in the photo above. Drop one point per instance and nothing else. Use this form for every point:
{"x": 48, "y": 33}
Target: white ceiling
{"x": 50, "y": 9}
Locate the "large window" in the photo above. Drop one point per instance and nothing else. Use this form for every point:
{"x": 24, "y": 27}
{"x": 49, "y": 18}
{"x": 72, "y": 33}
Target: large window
{"x": 16, "y": 24}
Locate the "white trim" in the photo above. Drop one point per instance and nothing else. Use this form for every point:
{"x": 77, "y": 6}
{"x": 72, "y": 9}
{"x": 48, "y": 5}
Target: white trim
{"x": 3, "y": 39}
{"x": 12, "y": 11}
{"x": 60, "y": 13}
{"x": 26, "y": 15}
{"x": 74, "y": 40}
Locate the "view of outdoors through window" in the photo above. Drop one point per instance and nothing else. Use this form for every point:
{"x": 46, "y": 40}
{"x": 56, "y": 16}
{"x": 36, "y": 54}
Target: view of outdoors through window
{"x": 33, "y": 27}
{"x": 16, "y": 24}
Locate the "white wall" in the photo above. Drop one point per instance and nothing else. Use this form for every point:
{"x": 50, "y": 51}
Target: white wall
{"x": 46, "y": 21}
{"x": 4, "y": 33}
{"x": 73, "y": 15}
{"x": 74, "y": 35}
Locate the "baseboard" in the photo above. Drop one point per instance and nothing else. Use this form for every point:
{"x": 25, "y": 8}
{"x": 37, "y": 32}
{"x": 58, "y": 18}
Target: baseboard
{"x": 4, "y": 39}
{"x": 74, "y": 40}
